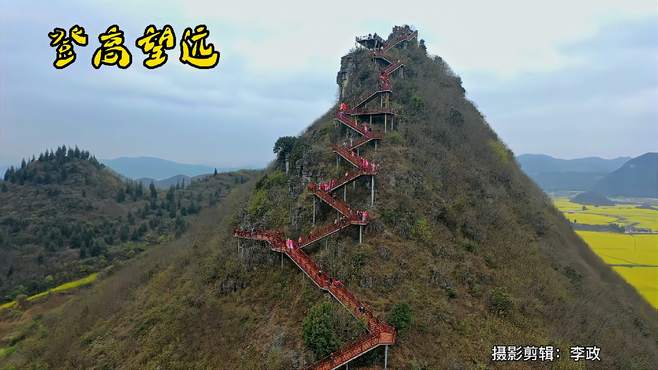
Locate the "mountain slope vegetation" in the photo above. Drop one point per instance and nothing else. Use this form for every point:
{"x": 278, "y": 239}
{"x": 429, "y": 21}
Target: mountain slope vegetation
{"x": 462, "y": 242}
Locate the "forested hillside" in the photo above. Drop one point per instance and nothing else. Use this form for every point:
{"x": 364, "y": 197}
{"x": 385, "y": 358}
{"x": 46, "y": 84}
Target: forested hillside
{"x": 63, "y": 215}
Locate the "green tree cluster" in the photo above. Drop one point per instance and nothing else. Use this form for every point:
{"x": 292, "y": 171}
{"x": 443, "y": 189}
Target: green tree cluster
{"x": 318, "y": 330}
{"x": 53, "y": 164}
{"x": 401, "y": 316}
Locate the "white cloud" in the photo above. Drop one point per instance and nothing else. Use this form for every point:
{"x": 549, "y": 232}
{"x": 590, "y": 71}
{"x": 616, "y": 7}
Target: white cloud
{"x": 501, "y": 37}
{"x": 643, "y": 102}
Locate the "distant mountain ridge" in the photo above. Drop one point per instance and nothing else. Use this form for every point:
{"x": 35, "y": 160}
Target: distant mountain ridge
{"x": 636, "y": 178}
{"x": 555, "y": 174}
{"x": 171, "y": 181}
{"x": 156, "y": 168}
{"x": 545, "y": 163}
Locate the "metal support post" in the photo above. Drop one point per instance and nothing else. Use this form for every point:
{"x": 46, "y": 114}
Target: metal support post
{"x": 372, "y": 191}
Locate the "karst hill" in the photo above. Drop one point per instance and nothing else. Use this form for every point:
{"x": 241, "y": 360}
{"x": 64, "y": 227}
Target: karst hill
{"x": 398, "y": 226}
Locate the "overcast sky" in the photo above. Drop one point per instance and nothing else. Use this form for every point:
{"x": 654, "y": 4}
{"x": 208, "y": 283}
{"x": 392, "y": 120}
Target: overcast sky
{"x": 565, "y": 78}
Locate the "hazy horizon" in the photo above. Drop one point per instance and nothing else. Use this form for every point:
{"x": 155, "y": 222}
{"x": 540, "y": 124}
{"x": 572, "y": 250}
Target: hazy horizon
{"x": 587, "y": 87}
{"x": 3, "y": 166}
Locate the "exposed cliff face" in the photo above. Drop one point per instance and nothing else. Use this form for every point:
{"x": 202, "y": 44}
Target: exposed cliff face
{"x": 459, "y": 234}
{"x": 347, "y": 68}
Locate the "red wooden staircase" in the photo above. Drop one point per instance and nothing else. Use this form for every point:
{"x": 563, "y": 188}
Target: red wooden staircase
{"x": 354, "y": 159}
{"x": 356, "y": 349}
{"x": 349, "y": 177}
{"x": 366, "y": 112}
{"x": 379, "y": 333}
{"x": 398, "y": 38}
{"x": 356, "y": 217}
{"x": 384, "y": 76}
{"x": 363, "y": 129}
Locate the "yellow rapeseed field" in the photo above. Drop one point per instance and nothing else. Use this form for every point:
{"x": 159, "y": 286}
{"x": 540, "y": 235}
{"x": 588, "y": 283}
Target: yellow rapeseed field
{"x": 626, "y": 252}
{"x": 589, "y": 218}
{"x": 624, "y": 214}
{"x": 60, "y": 288}
{"x": 633, "y": 256}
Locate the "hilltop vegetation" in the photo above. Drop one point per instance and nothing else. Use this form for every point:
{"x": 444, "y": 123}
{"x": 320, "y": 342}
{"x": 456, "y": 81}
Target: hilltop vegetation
{"x": 592, "y": 198}
{"x": 464, "y": 253}
{"x": 63, "y": 215}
